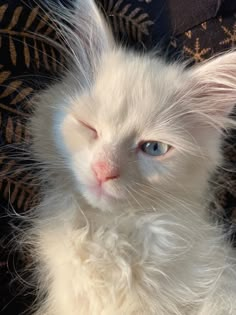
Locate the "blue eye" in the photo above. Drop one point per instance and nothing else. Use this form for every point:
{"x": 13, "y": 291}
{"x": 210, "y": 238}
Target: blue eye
{"x": 155, "y": 148}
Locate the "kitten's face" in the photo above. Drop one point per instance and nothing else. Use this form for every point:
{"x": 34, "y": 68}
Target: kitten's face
{"x": 128, "y": 140}
{"x": 145, "y": 134}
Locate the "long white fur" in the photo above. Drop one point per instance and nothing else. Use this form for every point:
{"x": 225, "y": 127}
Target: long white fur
{"x": 153, "y": 248}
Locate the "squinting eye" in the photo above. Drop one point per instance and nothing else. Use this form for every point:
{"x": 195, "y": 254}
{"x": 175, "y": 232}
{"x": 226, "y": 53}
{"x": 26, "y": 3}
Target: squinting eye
{"x": 155, "y": 148}
{"x": 89, "y": 127}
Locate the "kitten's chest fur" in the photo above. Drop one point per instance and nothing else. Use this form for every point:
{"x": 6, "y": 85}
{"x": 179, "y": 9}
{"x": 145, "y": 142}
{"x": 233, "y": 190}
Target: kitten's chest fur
{"x": 105, "y": 263}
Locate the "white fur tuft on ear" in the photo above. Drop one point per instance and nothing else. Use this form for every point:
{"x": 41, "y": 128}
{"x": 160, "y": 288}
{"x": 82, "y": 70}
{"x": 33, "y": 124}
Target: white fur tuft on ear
{"x": 93, "y": 33}
{"x": 86, "y": 35}
{"x": 92, "y": 37}
{"x": 213, "y": 85}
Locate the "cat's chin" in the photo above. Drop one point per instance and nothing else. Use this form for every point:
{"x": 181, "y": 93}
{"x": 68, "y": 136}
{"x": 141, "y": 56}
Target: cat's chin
{"x": 102, "y": 198}
{"x": 103, "y": 202}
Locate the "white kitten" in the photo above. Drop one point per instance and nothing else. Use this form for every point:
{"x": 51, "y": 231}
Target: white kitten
{"x": 129, "y": 143}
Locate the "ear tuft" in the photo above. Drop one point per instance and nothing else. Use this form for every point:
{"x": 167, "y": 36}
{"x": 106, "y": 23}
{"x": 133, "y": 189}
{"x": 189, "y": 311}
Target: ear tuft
{"x": 214, "y": 84}
{"x": 87, "y": 37}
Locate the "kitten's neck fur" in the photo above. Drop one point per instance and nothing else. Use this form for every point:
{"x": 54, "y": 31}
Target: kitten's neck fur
{"x": 168, "y": 261}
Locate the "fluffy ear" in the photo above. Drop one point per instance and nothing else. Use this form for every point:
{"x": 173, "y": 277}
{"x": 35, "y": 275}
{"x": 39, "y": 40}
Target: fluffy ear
{"x": 212, "y": 87}
{"x": 87, "y": 37}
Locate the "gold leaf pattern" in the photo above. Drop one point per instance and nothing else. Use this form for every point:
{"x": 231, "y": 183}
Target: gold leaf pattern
{"x": 33, "y": 14}
{"x": 136, "y": 23}
{"x": 4, "y": 75}
{"x": 21, "y": 199}
{"x": 6, "y": 192}
{"x": 14, "y": 193}
{"x": 23, "y": 191}
{"x": 231, "y": 35}
{"x": 42, "y": 22}
{"x": 48, "y": 31}
{"x": 12, "y": 110}
{"x": 12, "y": 87}
{"x": 19, "y": 186}
{"x": 12, "y": 49}
{"x": 204, "y": 25}
{"x": 3, "y": 9}
{"x": 26, "y": 37}
{"x": 26, "y": 54}
{"x": 197, "y": 54}
{"x": 45, "y": 57}
{"x": 36, "y": 54}
{"x": 9, "y": 130}
{"x": 188, "y": 34}
{"x": 18, "y": 132}
{"x": 22, "y": 95}
{"x": 15, "y": 131}
{"x": 15, "y": 18}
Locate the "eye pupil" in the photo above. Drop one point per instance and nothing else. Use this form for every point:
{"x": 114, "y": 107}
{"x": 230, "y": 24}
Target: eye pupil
{"x": 155, "y": 148}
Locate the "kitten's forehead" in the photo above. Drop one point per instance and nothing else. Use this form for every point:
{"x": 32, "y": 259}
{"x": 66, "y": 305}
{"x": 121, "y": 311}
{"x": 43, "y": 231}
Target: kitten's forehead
{"x": 130, "y": 86}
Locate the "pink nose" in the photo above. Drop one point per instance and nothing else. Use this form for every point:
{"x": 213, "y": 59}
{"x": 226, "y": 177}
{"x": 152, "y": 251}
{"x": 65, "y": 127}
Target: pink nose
{"x": 105, "y": 171}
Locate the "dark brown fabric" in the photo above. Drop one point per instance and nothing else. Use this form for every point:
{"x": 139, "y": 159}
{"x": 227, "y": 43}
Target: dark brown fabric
{"x": 195, "y": 12}
{"x": 186, "y": 29}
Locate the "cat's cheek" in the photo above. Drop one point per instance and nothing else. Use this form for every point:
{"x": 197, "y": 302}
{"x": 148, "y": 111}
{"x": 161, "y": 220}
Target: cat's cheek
{"x": 151, "y": 170}
{"x": 81, "y": 161}
{"x": 154, "y": 178}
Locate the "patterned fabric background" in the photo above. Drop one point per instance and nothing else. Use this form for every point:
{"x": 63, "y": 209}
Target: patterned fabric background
{"x": 184, "y": 29}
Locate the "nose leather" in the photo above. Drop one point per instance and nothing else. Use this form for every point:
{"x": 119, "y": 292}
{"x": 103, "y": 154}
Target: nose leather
{"x": 104, "y": 171}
